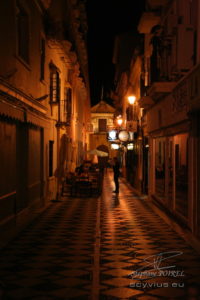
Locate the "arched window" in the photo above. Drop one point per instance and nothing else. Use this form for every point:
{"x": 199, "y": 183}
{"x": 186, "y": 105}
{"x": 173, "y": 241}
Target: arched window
{"x": 54, "y": 84}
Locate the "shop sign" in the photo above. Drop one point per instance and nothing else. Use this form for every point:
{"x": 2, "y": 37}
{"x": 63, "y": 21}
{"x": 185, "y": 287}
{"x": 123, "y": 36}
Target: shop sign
{"x": 131, "y": 136}
{"x": 130, "y": 146}
{"x": 123, "y": 136}
{"x": 115, "y": 146}
{"x": 112, "y": 135}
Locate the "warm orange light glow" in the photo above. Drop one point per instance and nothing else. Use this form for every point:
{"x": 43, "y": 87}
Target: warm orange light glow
{"x": 119, "y": 121}
{"x": 131, "y": 99}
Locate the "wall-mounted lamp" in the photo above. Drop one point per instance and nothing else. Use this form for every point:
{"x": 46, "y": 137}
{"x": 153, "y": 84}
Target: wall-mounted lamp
{"x": 131, "y": 99}
{"x": 119, "y": 120}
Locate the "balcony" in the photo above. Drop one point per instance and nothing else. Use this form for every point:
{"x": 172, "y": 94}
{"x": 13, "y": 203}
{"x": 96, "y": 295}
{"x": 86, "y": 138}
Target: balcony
{"x": 160, "y": 89}
{"x": 147, "y": 21}
{"x": 154, "y": 4}
{"x": 45, "y": 3}
{"x": 62, "y": 124}
{"x": 132, "y": 126}
{"x": 145, "y": 102}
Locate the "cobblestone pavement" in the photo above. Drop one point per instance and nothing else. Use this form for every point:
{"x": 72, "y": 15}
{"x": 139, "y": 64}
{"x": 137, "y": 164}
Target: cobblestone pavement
{"x": 109, "y": 248}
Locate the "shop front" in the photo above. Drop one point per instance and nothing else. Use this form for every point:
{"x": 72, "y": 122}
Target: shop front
{"x": 171, "y": 172}
{"x": 171, "y": 146}
{"x": 173, "y": 127}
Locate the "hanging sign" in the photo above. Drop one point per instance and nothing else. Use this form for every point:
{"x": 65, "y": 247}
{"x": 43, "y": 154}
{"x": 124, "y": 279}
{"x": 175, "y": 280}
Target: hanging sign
{"x": 112, "y": 135}
{"x": 123, "y": 136}
{"x": 131, "y": 136}
{"x": 115, "y": 146}
{"x": 130, "y": 146}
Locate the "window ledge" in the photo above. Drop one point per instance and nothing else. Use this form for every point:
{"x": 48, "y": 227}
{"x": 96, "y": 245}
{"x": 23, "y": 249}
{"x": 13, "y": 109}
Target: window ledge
{"x": 54, "y": 102}
{"x": 43, "y": 81}
{"x": 63, "y": 124}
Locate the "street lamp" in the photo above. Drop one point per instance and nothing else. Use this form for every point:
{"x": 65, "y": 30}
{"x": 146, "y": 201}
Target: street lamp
{"x": 131, "y": 99}
{"x": 119, "y": 120}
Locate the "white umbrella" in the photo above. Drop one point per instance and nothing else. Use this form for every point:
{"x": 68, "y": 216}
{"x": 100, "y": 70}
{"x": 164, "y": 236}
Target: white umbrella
{"x": 98, "y": 153}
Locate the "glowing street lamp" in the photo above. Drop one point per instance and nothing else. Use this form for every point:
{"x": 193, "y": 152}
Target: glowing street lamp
{"x": 119, "y": 120}
{"x": 131, "y": 99}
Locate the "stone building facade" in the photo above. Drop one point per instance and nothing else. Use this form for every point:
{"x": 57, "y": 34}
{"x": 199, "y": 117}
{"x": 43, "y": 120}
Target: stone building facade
{"x": 44, "y": 102}
{"x": 166, "y": 84}
{"x": 102, "y": 116}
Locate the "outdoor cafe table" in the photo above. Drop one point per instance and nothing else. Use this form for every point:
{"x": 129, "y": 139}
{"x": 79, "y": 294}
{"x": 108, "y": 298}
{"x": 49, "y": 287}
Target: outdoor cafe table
{"x": 86, "y": 185}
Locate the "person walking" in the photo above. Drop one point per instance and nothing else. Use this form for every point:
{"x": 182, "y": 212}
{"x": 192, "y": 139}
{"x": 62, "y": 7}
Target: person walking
{"x": 116, "y": 172}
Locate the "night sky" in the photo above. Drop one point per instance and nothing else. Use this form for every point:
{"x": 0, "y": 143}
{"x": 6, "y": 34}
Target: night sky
{"x": 106, "y": 19}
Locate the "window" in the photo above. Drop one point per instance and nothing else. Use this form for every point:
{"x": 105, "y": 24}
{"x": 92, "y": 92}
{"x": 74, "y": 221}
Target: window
{"x": 23, "y": 33}
{"x": 66, "y": 107}
{"x": 54, "y": 84}
{"x": 102, "y": 125}
{"x": 42, "y": 58}
{"x": 51, "y": 158}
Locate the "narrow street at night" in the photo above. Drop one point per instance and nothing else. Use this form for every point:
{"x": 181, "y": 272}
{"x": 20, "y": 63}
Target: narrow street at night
{"x": 110, "y": 247}
{"x": 99, "y": 149}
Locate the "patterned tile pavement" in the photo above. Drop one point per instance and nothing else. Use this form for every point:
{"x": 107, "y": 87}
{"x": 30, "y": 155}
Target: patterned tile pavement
{"x": 53, "y": 257}
{"x": 108, "y": 248}
{"x": 141, "y": 256}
